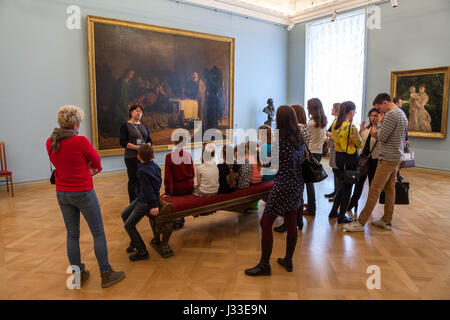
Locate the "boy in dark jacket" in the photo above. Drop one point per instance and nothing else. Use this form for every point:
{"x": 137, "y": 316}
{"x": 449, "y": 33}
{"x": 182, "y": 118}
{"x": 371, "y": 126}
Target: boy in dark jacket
{"x": 147, "y": 200}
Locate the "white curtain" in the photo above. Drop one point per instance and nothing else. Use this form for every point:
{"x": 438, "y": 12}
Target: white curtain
{"x": 335, "y": 61}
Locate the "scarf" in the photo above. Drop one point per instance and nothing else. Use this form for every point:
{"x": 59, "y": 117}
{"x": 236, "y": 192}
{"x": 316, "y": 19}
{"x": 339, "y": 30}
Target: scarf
{"x": 60, "y": 134}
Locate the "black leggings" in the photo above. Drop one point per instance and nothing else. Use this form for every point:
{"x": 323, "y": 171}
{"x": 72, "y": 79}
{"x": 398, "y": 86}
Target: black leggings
{"x": 349, "y": 162}
{"x": 267, "y": 221}
{"x": 132, "y": 165}
{"x": 310, "y": 188}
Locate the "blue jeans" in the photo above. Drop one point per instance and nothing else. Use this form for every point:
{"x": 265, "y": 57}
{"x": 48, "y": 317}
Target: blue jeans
{"x": 86, "y": 202}
{"x": 131, "y": 217}
{"x": 311, "y": 193}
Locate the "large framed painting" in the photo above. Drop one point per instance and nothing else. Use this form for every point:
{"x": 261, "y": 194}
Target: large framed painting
{"x": 424, "y": 93}
{"x": 179, "y": 78}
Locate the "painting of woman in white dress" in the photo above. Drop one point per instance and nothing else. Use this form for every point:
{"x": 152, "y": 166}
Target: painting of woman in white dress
{"x": 425, "y": 100}
{"x": 419, "y": 118}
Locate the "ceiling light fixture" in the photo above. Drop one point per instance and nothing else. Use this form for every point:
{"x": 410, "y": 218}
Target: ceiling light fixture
{"x": 290, "y": 26}
{"x": 394, "y": 3}
{"x": 333, "y": 17}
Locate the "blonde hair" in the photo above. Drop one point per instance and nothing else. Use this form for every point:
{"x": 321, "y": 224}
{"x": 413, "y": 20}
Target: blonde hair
{"x": 69, "y": 115}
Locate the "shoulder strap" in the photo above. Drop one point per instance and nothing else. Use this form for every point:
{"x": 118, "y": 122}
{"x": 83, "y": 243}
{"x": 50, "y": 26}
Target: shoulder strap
{"x": 135, "y": 127}
{"x": 373, "y": 147}
{"x": 51, "y": 150}
{"x": 348, "y": 137}
{"x": 306, "y": 145}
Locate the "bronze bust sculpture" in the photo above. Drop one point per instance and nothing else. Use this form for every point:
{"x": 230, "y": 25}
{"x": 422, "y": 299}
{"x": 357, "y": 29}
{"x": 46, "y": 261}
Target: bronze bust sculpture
{"x": 270, "y": 111}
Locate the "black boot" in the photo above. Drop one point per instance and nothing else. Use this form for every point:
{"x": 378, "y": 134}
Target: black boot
{"x": 131, "y": 247}
{"x": 333, "y": 214}
{"x": 343, "y": 218}
{"x": 330, "y": 195}
{"x": 300, "y": 219}
{"x": 343, "y": 209}
{"x": 263, "y": 267}
{"x": 282, "y": 228}
{"x": 286, "y": 262}
{"x": 334, "y": 210}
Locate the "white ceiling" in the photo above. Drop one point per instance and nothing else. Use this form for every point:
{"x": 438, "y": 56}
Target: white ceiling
{"x": 285, "y": 12}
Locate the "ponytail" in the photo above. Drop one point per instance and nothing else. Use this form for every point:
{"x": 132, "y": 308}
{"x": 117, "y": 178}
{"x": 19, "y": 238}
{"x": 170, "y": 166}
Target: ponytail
{"x": 346, "y": 107}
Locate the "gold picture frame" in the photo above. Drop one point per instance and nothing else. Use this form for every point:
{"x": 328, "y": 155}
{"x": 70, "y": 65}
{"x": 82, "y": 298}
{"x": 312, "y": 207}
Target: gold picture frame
{"x": 427, "y": 109}
{"x": 156, "y": 54}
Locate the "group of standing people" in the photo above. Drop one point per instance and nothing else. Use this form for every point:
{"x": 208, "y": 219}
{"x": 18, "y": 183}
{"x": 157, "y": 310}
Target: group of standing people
{"x": 382, "y": 142}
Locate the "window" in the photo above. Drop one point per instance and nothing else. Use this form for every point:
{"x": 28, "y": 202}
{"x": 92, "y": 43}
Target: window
{"x": 335, "y": 58}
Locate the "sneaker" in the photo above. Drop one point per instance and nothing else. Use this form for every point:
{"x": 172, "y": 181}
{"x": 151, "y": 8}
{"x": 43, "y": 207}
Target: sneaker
{"x": 353, "y": 227}
{"x": 111, "y": 277}
{"x": 381, "y": 224}
{"x": 139, "y": 255}
{"x": 84, "y": 275}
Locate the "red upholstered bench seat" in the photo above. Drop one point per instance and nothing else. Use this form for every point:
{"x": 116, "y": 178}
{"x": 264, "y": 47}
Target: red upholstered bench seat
{"x": 183, "y": 206}
{"x": 181, "y": 203}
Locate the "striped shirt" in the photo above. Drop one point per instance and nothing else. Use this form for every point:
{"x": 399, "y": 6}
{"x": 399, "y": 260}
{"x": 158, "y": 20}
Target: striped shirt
{"x": 391, "y": 135}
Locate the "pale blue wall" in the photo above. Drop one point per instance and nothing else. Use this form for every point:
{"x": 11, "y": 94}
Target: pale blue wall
{"x": 296, "y": 62}
{"x": 44, "y": 66}
{"x": 414, "y": 35}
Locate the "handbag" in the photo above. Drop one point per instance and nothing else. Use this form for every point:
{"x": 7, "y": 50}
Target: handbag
{"x": 325, "y": 148}
{"x": 52, "y": 177}
{"x": 401, "y": 193}
{"x": 312, "y": 169}
{"x": 364, "y": 162}
{"x": 350, "y": 176}
{"x": 53, "y": 171}
{"x": 408, "y": 160}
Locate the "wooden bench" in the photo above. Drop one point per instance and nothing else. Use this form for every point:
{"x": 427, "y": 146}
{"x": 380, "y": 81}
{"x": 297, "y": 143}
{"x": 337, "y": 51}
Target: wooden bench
{"x": 183, "y": 206}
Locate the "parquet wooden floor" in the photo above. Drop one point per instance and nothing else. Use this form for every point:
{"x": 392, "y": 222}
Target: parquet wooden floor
{"x": 211, "y": 252}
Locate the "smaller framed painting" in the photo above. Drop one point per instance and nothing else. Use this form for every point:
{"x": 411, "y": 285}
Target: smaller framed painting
{"x": 424, "y": 95}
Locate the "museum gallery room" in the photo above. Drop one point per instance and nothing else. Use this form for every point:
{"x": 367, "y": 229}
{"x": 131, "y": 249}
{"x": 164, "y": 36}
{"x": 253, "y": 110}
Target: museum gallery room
{"x": 224, "y": 150}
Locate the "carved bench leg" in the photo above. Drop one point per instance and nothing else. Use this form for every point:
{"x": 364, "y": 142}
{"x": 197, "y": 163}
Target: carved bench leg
{"x": 156, "y": 241}
{"x": 167, "y": 229}
{"x": 162, "y": 247}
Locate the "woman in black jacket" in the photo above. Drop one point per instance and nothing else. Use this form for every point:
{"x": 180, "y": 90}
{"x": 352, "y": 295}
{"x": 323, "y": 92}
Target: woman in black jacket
{"x": 133, "y": 133}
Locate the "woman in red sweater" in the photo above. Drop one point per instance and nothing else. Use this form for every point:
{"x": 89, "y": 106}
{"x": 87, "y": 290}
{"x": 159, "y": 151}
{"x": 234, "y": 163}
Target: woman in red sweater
{"x": 75, "y": 161}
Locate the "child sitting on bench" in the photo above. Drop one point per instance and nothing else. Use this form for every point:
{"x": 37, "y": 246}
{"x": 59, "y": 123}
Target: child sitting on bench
{"x": 227, "y": 177}
{"x": 147, "y": 199}
{"x": 242, "y": 166}
{"x": 207, "y": 173}
{"x": 178, "y": 175}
